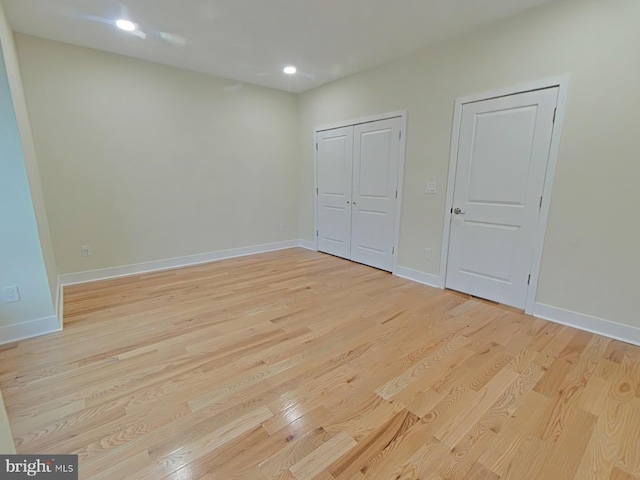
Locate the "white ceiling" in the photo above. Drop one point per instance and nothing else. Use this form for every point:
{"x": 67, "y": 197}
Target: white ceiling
{"x": 252, "y": 40}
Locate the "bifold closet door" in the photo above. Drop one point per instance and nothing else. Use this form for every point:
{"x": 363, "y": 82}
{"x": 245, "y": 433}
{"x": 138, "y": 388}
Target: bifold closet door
{"x": 334, "y": 177}
{"x": 357, "y": 175}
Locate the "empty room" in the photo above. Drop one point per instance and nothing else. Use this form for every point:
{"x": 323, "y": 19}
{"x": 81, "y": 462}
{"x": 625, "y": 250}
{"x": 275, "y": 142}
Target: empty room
{"x": 330, "y": 240}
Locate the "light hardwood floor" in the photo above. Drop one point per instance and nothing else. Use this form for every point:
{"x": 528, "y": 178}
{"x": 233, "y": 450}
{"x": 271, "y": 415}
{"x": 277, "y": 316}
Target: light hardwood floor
{"x": 298, "y": 365}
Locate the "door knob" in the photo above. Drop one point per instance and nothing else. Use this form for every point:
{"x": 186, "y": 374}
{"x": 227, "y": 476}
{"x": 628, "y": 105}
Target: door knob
{"x": 458, "y": 211}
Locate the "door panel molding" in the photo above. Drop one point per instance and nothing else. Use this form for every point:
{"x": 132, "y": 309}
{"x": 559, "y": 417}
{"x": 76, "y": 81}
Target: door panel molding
{"x": 402, "y": 115}
{"x": 562, "y": 83}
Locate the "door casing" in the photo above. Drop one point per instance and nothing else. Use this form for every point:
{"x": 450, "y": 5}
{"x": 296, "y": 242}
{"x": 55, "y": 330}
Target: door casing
{"x": 402, "y": 114}
{"x": 562, "y": 82}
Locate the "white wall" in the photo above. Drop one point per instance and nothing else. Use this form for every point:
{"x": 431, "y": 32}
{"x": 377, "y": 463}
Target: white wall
{"x": 591, "y": 254}
{"x": 146, "y": 162}
{"x": 21, "y": 260}
{"x": 7, "y": 43}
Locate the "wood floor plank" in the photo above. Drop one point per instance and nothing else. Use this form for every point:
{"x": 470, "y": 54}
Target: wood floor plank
{"x": 618, "y": 474}
{"x": 464, "y": 455}
{"x": 441, "y": 358}
{"x": 529, "y": 460}
{"x": 484, "y": 399}
{"x": 296, "y": 365}
{"x": 373, "y": 445}
{"x": 124, "y": 469}
{"x": 570, "y": 447}
{"x": 517, "y": 428}
{"x": 313, "y": 464}
{"x": 629, "y": 457}
{"x": 603, "y": 448}
{"x": 479, "y": 472}
{"x": 424, "y": 462}
{"x": 275, "y": 465}
{"x": 243, "y": 455}
{"x": 163, "y": 465}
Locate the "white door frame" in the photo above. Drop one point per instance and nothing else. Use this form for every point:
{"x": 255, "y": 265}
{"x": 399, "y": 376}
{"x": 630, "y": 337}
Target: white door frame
{"x": 562, "y": 82}
{"x": 402, "y": 114}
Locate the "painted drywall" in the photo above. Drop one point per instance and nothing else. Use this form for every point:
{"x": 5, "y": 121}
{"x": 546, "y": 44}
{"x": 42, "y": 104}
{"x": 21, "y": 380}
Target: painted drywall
{"x": 9, "y": 53}
{"x": 590, "y": 260}
{"x": 21, "y": 260}
{"x": 146, "y": 162}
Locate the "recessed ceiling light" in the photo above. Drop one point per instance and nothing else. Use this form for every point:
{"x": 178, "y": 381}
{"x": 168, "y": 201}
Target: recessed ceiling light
{"x": 126, "y": 25}
{"x": 290, "y": 70}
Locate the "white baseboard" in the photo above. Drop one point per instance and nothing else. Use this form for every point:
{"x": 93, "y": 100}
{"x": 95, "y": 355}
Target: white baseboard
{"x": 60, "y": 303}
{"x": 33, "y": 328}
{"x": 617, "y": 331}
{"x": 170, "y": 263}
{"x": 307, "y": 244}
{"x": 420, "y": 277}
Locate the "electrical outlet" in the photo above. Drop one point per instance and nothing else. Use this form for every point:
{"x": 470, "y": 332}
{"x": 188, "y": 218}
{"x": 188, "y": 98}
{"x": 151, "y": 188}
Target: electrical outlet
{"x": 86, "y": 250}
{"x": 431, "y": 187}
{"x": 10, "y": 294}
{"x": 283, "y": 227}
{"x": 427, "y": 253}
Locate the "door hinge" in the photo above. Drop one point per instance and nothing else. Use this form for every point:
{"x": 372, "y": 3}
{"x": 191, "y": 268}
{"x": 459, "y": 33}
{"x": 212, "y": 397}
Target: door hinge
{"x": 529, "y": 280}
{"x": 316, "y": 146}
{"x": 316, "y": 190}
{"x": 554, "y": 114}
{"x": 540, "y": 203}
{"x": 393, "y": 250}
{"x": 400, "y": 135}
{"x": 396, "y": 193}
{"x": 316, "y": 233}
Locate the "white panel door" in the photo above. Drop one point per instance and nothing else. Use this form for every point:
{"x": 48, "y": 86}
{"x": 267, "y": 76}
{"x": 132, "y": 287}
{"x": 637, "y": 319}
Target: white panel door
{"x": 502, "y": 161}
{"x": 375, "y": 183}
{"x": 334, "y": 177}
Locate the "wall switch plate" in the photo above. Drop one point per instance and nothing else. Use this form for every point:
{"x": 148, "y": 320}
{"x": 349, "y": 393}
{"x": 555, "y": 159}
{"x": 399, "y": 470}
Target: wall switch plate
{"x": 283, "y": 227}
{"x": 10, "y": 294}
{"x": 431, "y": 187}
{"x": 86, "y": 250}
{"x": 427, "y": 253}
